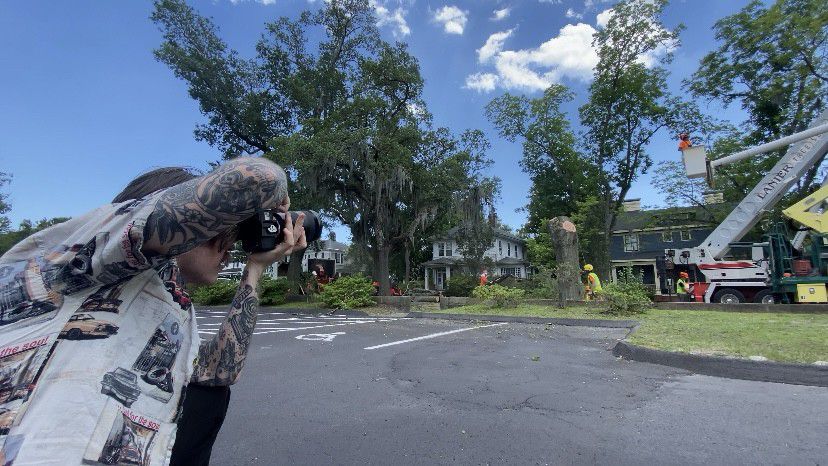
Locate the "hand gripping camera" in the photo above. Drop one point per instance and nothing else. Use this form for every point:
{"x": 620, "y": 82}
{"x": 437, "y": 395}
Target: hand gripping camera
{"x": 264, "y": 231}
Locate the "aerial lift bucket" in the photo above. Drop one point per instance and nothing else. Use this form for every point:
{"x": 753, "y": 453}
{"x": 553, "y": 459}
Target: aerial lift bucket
{"x": 695, "y": 161}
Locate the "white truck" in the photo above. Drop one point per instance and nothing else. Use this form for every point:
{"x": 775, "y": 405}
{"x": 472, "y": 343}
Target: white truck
{"x": 723, "y": 280}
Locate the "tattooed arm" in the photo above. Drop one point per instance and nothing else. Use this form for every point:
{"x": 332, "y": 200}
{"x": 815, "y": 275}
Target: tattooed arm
{"x": 221, "y": 358}
{"x": 191, "y": 213}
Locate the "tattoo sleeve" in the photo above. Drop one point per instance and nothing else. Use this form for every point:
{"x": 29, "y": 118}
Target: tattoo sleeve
{"x": 189, "y": 214}
{"x": 221, "y": 358}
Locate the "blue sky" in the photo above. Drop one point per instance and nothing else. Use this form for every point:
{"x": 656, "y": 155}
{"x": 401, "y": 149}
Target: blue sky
{"x": 85, "y": 107}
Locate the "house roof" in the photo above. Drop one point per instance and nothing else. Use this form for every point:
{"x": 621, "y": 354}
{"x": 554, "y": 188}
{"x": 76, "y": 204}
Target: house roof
{"x": 672, "y": 217}
{"x": 333, "y": 245}
{"x": 442, "y": 261}
{"x": 498, "y": 233}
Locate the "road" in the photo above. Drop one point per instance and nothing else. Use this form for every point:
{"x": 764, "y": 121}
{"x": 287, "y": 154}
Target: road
{"x": 333, "y": 390}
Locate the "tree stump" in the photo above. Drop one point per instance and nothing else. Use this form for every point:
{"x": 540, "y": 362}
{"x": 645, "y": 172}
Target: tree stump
{"x": 565, "y": 244}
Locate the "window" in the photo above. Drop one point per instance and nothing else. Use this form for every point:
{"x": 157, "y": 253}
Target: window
{"x": 338, "y": 257}
{"x": 322, "y": 255}
{"x": 508, "y": 271}
{"x": 441, "y": 249}
{"x": 517, "y": 272}
{"x": 630, "y": 243}
{"x": 667, "y": 236}
{"x": 448, "y": 248}
{"x": 500, "y": 247}
{"x": 685, "y": 235}
{"x": 509, "y": 249}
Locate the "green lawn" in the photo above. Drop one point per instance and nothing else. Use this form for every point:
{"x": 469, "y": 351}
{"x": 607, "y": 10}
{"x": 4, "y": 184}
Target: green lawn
{"x": 782, "y": 337}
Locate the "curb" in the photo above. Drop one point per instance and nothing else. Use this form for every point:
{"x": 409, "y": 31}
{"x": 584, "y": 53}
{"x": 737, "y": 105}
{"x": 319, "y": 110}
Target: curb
{"x": 628, "y": 324}
{"x": 762, "y": 371}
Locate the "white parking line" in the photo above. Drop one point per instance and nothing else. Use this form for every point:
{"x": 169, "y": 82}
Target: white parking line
{"x": 355, "y": 322}
{"x": 433, "y": 335}
{"x": 278, "y": 325}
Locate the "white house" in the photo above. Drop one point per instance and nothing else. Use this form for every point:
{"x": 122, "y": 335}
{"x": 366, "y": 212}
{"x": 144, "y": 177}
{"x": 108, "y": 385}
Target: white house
{"x": 508, "y": 253}
{"x": 327, "y": 249}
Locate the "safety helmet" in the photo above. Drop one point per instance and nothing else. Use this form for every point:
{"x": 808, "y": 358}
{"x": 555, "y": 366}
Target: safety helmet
{"x": 683, "y": 275}
{"x": 588, "y": 267}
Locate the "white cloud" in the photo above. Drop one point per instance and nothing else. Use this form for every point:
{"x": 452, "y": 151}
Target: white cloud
{"x": 396, "y": 19}
{"x": 554, "y": 2}
{"x": 263, "y": 2}
{"x": 500, "y": 14}
{"x": 452, "y": 18}
{"x": 569, "y": 55}
{"x": 481, "y": 82}
{"x": 570, "y": 13}
{"x": 603, "y": 18}
{"x": 493, "y": 45}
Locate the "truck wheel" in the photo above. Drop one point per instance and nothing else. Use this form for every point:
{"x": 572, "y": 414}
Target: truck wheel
{"x": 728, "y": 296}
{"x": 764, "y": 296}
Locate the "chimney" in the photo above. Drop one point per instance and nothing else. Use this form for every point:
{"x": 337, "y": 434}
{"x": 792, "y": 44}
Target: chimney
{"x": 632, "y": 205}
{"x": 713, "y": 197}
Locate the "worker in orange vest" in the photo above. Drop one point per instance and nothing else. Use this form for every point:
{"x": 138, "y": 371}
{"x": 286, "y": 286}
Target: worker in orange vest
{"x": 484, "y": 278}
{"x": 684, "y": 141}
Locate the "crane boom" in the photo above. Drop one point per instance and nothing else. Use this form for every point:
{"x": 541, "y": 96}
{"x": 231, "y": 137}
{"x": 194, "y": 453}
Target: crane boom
{"x": 797, "y": 160}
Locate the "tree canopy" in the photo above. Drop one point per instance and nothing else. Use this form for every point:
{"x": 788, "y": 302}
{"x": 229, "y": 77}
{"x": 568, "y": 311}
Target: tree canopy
{"x": 344, "y": 115}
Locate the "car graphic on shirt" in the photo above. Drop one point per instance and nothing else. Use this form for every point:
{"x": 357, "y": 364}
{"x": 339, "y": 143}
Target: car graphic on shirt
{"x": 121, "y": 385}
{"x": 86, "y": 326}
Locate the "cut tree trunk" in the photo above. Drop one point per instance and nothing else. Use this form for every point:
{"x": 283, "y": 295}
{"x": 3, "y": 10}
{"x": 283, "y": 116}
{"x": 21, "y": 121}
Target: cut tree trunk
{"x": 295, "y": 270}
{"x": 382, "y": 270}
{"x": 565, "y": 244}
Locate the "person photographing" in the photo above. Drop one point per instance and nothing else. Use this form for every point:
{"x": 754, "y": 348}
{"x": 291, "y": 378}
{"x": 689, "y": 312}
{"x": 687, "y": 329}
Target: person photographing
{"x": 116, "y": 396}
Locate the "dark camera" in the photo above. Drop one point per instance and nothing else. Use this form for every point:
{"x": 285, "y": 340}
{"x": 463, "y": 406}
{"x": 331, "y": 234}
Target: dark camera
{"x": 264, "y": 231}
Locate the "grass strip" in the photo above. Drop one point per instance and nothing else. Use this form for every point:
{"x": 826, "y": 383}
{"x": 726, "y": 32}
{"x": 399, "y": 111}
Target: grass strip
{"x": 783, "y": 337}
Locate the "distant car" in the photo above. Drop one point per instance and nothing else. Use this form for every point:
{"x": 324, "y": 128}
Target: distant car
{"x": 84, "y": 325}
{"x": 122, "y": 385}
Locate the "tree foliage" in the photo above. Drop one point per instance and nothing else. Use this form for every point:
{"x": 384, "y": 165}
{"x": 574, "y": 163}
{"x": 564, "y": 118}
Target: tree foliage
{"x": 475, "y": 234}
{"x": 26, "y": 228}
{"x": 559, "y": 173}
{"x": 773, "y": 62}
{"x": 587, "y": 178}
{"x": 5, "y": 207}
{"x": 340, "y": 109}
{"x": 628, "y": 104}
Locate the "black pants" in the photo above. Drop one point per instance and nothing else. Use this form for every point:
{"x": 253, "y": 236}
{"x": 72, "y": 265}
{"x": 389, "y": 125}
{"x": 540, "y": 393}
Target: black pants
{"x": 201, "y": 419}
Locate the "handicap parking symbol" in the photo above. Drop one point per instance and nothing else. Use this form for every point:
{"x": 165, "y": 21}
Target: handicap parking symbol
{"x": 319, "y": 336}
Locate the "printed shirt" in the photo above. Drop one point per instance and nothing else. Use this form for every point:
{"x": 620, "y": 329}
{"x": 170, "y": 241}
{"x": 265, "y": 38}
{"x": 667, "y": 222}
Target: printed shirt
{"x": 94, "y": 347}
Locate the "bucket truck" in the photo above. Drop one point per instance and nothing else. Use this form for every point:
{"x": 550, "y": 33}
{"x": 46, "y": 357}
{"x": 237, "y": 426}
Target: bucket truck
{"x": 761, "y": 278}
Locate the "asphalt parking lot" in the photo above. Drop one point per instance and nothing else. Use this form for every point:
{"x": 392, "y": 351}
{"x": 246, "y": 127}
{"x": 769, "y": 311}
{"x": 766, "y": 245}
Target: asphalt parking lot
{"x": 353, "y": 390}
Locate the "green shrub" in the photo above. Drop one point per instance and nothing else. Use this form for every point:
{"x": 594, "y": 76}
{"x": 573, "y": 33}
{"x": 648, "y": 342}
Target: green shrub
{"x": 501, "y": 296}
{"x": 627, "y": 296}
{"x": 272, "y": 292}
{"x": 415, "y": 284}
{"x": 220, "y": 292}
{"x": 348, "y": 292}
{"x": 460, "y": 285}
{"x": 542, "y": 284}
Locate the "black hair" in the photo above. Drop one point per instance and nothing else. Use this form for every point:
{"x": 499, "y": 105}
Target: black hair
{"x": 152, "y": 181}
